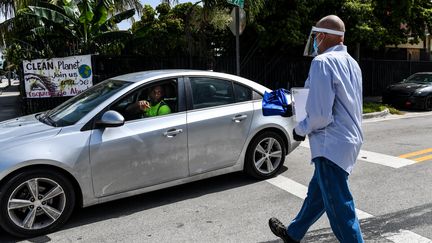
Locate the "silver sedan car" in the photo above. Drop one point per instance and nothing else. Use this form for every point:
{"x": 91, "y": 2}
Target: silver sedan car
{"x": 112, "y": 141}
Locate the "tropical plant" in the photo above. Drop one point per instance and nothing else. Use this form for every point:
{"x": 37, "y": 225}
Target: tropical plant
{"x": 8, "y": 8}
{"x": 47, "y": 30}
{"x": 79, "y": 27}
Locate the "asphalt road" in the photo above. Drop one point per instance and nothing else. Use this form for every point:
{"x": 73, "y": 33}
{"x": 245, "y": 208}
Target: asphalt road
{"x": 395, "y": 203}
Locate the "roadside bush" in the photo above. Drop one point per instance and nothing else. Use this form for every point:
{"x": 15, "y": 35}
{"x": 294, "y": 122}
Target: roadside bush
{"x": 370, "y": 107}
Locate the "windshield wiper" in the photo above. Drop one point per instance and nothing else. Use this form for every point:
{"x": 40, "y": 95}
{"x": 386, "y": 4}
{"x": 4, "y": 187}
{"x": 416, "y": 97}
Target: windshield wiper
{"x": 47, "y": 119}
{"x": 50, "y": 120}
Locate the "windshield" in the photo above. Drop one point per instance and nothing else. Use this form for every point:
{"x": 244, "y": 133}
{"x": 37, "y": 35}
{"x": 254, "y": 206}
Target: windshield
{"x": 77, "y": 107}
{"x": 422, "y": 78}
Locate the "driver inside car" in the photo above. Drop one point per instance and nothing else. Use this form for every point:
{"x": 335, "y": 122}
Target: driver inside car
{"x": 156, "y": 105}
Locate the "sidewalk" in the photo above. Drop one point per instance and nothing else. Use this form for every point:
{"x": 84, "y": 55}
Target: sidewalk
{"x": 9, "y": 100}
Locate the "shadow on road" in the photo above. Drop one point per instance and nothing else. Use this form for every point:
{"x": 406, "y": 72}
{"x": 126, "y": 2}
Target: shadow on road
{"x": 131, "y": 205}
{"x": 375, "y": 229}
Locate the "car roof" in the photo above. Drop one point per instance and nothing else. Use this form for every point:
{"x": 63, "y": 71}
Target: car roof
{"x": 166, "y": 73}
{"x": 423, "y": 73}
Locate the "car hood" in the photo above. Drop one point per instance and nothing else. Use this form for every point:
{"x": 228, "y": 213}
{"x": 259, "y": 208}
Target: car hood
{"x": 407, "y": 87}
{"x": 24, "y": 129}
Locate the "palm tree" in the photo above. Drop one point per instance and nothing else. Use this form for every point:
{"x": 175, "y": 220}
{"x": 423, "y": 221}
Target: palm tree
{"x": 82, "y": 27}
{"x": 123, "y": 5}
{"x": 8, "y": 8}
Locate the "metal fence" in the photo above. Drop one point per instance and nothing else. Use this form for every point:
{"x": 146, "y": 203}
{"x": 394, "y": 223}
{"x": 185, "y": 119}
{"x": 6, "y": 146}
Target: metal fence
{"x": 378, "y": 74}
{"x": 276, "y": 72}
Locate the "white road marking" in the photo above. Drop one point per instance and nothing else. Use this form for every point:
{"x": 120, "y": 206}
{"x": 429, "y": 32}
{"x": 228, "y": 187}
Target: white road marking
{"x": 300, "y": 191}
{"x": 404, "y": 236}
{"x": 289, "y": 185}
{"x": 384, "y": 159}
{"x": 377, "y": 158}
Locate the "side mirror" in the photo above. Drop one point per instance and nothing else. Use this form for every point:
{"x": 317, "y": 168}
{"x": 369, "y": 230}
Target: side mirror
{"x": 111, "y": 119}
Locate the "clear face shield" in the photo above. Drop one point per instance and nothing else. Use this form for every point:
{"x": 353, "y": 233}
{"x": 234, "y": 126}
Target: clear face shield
{"x": 311, "y": 48}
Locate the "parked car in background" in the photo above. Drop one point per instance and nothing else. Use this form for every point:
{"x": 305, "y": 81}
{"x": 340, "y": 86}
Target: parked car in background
{"x": 96, "y": 147}
{"x": 414, "y": 92}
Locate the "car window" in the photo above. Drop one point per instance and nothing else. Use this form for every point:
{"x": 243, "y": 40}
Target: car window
{"x": 208, "y": 92}
{"x": 242, "y": 93}
{"x": 256, "y": 96}
{"x": 156, "y": 99}
{"x": 421, "y": 78}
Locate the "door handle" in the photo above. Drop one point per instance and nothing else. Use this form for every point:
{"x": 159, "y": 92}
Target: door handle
{"x": 239, "y": 118}
{"x": 172, "y": 132}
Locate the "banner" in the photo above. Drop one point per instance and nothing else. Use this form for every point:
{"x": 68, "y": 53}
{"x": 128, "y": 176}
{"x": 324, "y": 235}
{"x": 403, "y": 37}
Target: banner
{"x": 56, "y": 77}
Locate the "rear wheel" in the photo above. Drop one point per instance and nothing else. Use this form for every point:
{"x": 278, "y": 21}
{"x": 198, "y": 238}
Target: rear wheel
{"x": 35, "y": 202}
{"x": 265, "y": 155}
{"x": 428, "y": 103}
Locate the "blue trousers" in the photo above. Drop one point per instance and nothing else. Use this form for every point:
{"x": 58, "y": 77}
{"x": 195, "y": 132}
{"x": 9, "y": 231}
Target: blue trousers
{"x": 328, "y": 192}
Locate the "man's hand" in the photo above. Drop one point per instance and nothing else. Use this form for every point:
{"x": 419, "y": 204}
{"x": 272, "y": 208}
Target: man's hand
{"x": 297, "y": 137}
{"x": 288, "y": 111}
{"x": 144, "y": 105}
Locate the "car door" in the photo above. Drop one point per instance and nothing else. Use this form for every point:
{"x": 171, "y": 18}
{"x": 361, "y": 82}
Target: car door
{"x": 218, "y": 124}
{"x": 143, "y": 152}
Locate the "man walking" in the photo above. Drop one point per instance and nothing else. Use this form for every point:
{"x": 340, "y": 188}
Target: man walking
{"x": 333, "y": 124}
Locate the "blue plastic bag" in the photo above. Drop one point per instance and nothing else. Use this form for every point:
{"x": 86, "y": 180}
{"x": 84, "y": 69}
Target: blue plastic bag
{"x": 277, "y": 102}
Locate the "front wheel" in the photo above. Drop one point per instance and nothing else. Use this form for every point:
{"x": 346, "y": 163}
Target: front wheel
{"x": 265, "y": 155}
{"x": 35, "y": 202}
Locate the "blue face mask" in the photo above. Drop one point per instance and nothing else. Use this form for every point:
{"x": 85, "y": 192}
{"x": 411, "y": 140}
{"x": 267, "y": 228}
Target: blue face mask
{"x": 315, "y": 47}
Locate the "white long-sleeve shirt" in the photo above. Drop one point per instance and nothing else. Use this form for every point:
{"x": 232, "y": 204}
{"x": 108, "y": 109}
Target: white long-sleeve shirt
{"x": 334, "y": 108}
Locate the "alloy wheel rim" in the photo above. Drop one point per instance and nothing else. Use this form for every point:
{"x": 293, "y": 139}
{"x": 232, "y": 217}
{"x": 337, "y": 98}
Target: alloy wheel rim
{"x": 267, "y": 155}
{"x": 36, "y": 203}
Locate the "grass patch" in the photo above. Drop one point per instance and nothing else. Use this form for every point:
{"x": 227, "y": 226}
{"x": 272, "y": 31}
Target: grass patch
{"x": 370, "y": 107}
{"x": 395, "y": 111}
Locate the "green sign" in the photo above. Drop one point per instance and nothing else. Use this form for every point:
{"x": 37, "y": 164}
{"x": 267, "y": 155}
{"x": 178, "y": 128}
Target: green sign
{"x": 239, "y": 3}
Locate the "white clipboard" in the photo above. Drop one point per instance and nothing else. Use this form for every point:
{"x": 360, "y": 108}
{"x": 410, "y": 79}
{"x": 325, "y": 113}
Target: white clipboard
{"x": 299, "y": 97}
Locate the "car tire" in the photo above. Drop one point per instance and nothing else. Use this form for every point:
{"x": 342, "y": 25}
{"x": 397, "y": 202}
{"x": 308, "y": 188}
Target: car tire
{"x": 428, "y": 103}
{"x": 35, "y": 202}
{"x": 265, "y": 155}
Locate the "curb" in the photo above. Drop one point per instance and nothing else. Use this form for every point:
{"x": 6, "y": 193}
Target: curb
{"x": 383, "y": 113}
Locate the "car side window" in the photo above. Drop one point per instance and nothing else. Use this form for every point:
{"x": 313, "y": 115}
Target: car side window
{"x": 208, "y": 92}
{"x": 242, "y": 93}
{"x": 156, "y": 99}
{"x": 256, "y": 96}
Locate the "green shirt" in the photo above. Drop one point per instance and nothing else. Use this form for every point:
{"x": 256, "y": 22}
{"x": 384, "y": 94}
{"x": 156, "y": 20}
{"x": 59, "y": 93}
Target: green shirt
{"x": 160, "y": 108}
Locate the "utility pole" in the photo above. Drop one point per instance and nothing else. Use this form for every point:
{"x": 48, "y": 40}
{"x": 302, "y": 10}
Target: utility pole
{"x": 237, "y": 28}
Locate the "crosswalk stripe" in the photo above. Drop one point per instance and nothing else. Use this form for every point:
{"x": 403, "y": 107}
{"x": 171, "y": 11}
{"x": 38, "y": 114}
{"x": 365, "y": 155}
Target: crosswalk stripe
{"x": 384, "y": 159}
{"x": 404, "y": 236}
{"x": 300, "y": 191}
{"x": 377, "y": 158}
{"x": 413, "y": 154}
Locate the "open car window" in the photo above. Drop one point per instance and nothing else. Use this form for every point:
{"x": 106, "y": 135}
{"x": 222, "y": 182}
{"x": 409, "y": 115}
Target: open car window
{"x": 129, "y": 106}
